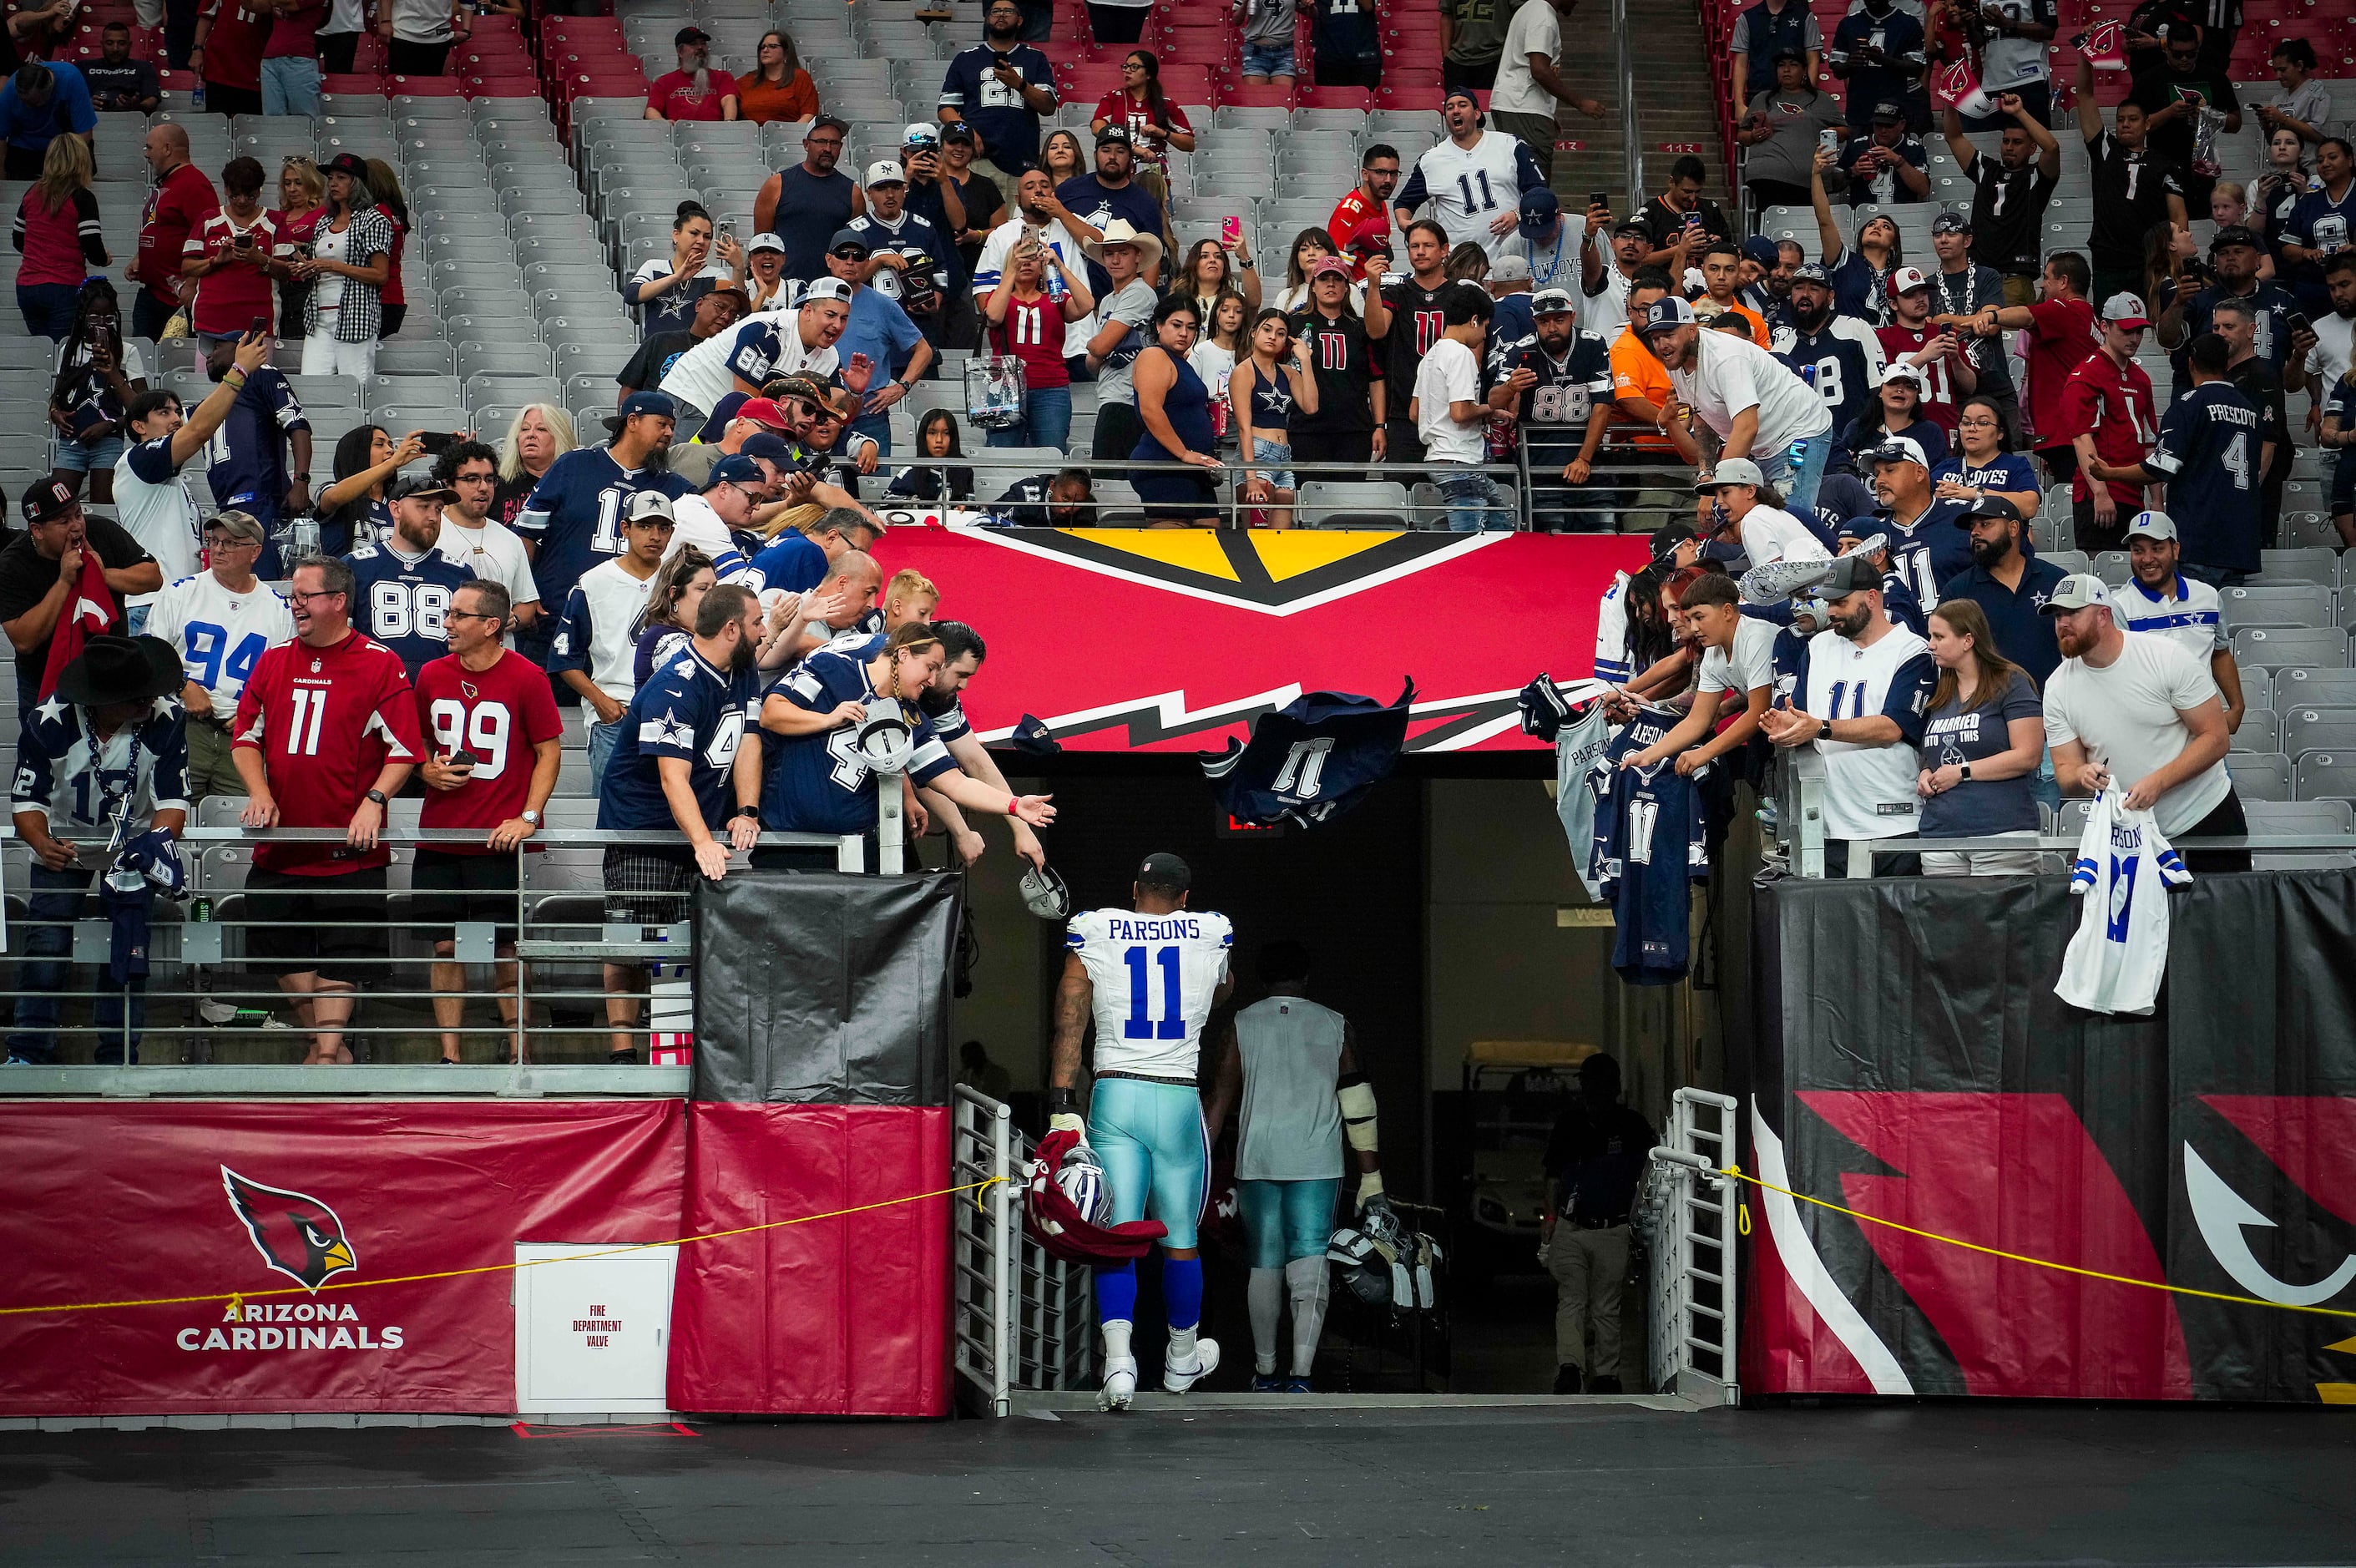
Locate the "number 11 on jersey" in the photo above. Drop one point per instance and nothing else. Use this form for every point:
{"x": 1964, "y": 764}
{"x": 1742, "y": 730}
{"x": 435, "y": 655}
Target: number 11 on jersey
{"x": 1140, "y": 1024}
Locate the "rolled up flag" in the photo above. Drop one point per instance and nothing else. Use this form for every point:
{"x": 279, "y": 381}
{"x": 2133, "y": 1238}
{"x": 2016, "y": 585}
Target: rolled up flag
{"x": 1954, "y": 83}
{"x": 2105, "y": 46}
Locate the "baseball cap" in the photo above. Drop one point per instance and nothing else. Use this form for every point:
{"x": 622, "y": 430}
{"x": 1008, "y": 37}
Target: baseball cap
{"x": 763, "y": 412}
{"x": 45, "y": 501}
{"x": 1541, "y": 210}
{"x": 1335, "y": 266}
{"x": 1553, "y": 302}
{"x": 351, "y": 163}
{"x": 2235, "y": 234}
{"x": 887, "y": 171}
{"x": 848, "y": 237}
{"x": 639, "y": 403}
{"x": 2078, "y": 591}
{"x": 2152, "y": 525}
{"x": 736, "y": 469}
{"x": 1667, "y": 314}
{"x": 1812, "y": 272}
{"x": 1162, "y": 869}
{"x": 764, "y": 445}
{"x": 1787, "y": 51}
{"x": 1114, "y": 132}
{"x": 237, "y": 525}
{"x": 1730, "y": 471}
{"x": 1509, "y": 269}
{"x": 841, "y": 125}
{"x": 1898, "y": 449}
{"x": 645, "y": 504}
{"x": 420, "y": 487}
{"x": 1631, "y": 228}
{"x": 2125, "y": 310}
{"x": 960, "y": 131}
{"x": 1900, "y": 371}
{"x": 1988, "y": 506}
{"x": 1848, "y": 575}
{"x": 690, "y": 34}
{"x": 1888, "y": 109}
{"x": 1950, "y": 223}
{"x": 1666, "y": 538}
{"x": 1906, "y": 280}
{"x": 1762, "y": 250}
{"x": 765, "y": 241}
{"x": 921, "y": 133}
{"x": 832, "y": 288}
{"x": 1453, "y": 93}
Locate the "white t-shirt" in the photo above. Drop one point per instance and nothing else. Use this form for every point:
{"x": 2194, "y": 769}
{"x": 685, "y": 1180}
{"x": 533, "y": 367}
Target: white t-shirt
{"x": 1449, "y": 375}
{"x": 2335, "y": 342}
{"x": 1731, "y": 375}
{"x": 134, "y": 364}
{"x": 330, "y": 245}
{"x": 2125, "y": 715}
{"x": 1771, "y": 534}
{"x": 614, "y": 600}
{"x": 156, "y": 511}
{"x": 1554, "y": 264}
{"x": 492, "y": 550}
{"x": 1606, "y": 314}
{"x": 1216, "y": 365}
{"x": 2187, "y": 614}
{"x": 1535, "y": 29}
{"x": 1746, "y": 667}
{"x": 218, "y": 634}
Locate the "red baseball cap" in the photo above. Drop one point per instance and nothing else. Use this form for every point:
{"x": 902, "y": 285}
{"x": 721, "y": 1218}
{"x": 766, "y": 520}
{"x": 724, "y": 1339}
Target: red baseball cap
{"x": 763, "y": 412}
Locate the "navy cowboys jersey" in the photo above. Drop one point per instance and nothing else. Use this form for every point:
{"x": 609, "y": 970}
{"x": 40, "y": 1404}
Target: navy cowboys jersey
{"x": 1651, "y": 843}
{"x": 1843, "y": 362}
{"x": 573, "y": 519}
{"x": 78, "y": 785}
{"x": 1554, "y": 413}
{"x": 1311, "y": 760}
{"x": 404, "y": 602}
{"x": 1932, "y": 550}
{"x": 2209, "y": 443}
{"x": 695, "y": 713}
{"x": 820, "y": 783}
{"x": 950, "y": 724}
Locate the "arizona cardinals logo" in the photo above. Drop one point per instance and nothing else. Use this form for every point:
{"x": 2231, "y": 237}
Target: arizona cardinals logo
{"x": 295, "y": 1233}
{"x": 470, "y": 689}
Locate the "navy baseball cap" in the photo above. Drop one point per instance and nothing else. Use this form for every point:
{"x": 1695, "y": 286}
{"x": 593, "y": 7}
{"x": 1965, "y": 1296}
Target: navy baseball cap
{"x": 1541, "y": 209}
{"x": 764, "y": 444}
{"x": 1810, "y": 272}
{"x": 639, "y": 403}
{"x": 737, "y": 468}
{"x": 1162, "y": 869}
{"x": 1669, "y": 314}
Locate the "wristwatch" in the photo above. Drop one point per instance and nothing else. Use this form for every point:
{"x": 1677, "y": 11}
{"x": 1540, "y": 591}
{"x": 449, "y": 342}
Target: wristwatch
{"x": 532, "y": 817}
{"x": 378, "y": 796}
{"x": 752, "y": 811}
{"x": 1825, "y": 729}
{"x": 1966, "y": 775}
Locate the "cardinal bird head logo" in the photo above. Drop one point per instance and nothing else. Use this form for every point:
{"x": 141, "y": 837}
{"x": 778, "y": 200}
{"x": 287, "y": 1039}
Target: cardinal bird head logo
{"x": 295, "y": 1233}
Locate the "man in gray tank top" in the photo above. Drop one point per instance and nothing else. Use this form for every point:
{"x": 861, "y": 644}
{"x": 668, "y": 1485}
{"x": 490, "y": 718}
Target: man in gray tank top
{"x": 1294, "y": 1066}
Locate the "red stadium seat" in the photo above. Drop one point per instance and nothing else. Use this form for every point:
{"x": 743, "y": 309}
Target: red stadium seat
{"x": 1336, "y": 97}
{"x": 354, "y": 84}
{"x": 1187, "y": 83}
{"x": 1239, "y": 95}
{"x": 424, "y": 86}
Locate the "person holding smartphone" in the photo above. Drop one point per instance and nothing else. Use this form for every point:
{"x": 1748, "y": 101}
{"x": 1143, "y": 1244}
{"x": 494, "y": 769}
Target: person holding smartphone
{"x": 226, "y": 260}
{"x": 260, "y": 459}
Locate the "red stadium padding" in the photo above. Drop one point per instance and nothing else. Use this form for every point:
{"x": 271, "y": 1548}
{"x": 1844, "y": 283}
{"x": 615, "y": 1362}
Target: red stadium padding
{"x": 104, "y": 1201}
{"x": 845, "y": 1317}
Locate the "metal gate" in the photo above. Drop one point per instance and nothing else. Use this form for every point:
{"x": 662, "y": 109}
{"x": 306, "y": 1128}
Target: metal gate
{"x": 1024, "y": 1320}
{"x": 1687, "y": 1215}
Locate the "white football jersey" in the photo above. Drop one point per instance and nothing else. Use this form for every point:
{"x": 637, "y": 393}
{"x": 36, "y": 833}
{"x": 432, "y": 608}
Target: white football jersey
{"x": 1155, "y": 977}
{"x": 1469, "y": 187}
{"x": 2120, "y": 952}
{"x": 218, "y": 634}
{"x": 1869, "y": 789}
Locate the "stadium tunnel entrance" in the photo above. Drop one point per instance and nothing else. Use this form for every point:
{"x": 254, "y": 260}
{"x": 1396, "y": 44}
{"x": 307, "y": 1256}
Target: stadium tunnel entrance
{"x": 1444, "y": 917}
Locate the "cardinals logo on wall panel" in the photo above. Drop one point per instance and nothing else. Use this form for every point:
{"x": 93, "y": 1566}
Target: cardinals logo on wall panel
{"x": 295, "y": 1233}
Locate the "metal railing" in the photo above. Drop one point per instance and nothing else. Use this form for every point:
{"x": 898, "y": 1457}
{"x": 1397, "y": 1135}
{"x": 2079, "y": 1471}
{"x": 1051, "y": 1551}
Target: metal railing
{"x": 1024, "y": 1320}
{"x": 1686, "y": 1214}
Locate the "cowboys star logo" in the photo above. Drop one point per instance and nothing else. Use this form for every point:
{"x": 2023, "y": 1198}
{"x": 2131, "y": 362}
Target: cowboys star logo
{"x": 295, "y": 1233}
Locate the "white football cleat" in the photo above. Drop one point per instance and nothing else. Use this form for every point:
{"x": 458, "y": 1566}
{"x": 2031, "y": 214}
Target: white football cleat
{"x": 1119, "y": 1384}
{"x": 1177, "y": 1379}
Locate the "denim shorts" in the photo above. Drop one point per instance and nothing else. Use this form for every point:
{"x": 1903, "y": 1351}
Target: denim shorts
{"x": 1267, "y": 60}
{"x": 73, "y": 457}
{"x": 1264, "y": 451}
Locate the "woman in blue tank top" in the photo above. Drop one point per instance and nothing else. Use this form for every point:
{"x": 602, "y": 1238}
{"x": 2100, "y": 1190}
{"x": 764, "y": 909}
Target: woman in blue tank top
{"x": 1268, "y": 389}
{"x": 1175, "y": 409}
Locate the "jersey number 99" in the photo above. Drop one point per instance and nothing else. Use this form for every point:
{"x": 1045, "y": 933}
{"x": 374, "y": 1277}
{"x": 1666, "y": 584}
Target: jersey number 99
{"x": 485, "y": 731}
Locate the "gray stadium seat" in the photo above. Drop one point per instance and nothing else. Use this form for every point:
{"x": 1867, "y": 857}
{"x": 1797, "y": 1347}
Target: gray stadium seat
{"x": 2302, "y": 688}
{"x": 2323, "y": 648}
{"x": 2324, "y": 776}
{"x": 2300, "y": 817}
{"x": 2260, "y": 777}
{"x": 2318, "y": 729}
{"x": 2261, "y": 731}
{"x": 2321, "y": 566}
{"x": 2294, "y": 606}
{"x": 1342, "y": 503}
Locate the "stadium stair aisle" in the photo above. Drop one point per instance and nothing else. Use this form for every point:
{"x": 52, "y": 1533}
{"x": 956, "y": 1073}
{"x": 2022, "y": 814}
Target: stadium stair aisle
{"x": 1677, "y": 96}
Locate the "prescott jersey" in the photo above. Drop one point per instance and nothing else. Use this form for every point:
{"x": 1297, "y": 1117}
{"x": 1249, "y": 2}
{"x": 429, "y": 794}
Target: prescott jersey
{"x": 325, "y": 721}
{"x": 1933, "y": 548}
{"x": 1554, "y": 412}
{"x": 404, "y": 601}
{"x": 597, "y": 635}
{"x": 1941, "y": 403}
{"x": 573, "y": 519}
{"x": 76, "y": 782}
{"x": 1868, "y": 789}
{"x": 2120, "y": 952}
{"x": 1843, "y": 361}
{"x": 691, "y": 711}
{"x": 1311, "y": 760}
{"x": 1155, "y": 977}
{"x": 218, "y": 633}
{"x": 2209, "y": 443}
{"x": 1650, "y": 846}
{"x": 1468, "y": 187}
{"x": 501, "y": 716}
{"x": 796, "y": 564}
{"x": 820, "y": 783}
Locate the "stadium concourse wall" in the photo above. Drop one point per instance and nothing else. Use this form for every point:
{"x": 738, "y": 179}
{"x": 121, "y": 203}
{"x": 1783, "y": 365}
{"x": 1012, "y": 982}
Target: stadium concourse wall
{"x": 821, "y": 1085}
{"x": 1907, "y": 1060}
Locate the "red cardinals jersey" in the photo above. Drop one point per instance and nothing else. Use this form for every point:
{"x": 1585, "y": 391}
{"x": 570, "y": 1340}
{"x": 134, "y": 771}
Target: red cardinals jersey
{"x": 325, "y": 721}
{"x": 1357, "y": 214}
{"x": 2117, "y": 407}
{"x": 2063, "y": 332}
{"x": 501, "y": 715}
{"x": 1941, "y": 400}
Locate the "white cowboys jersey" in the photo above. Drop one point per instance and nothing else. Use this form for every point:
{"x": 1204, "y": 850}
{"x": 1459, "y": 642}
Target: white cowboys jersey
{"x": 218, "y": 634}
{"x": 1155, "y": 977}
{"x": 1869, "y": 789}
{"x": 1469, "y": 187}
{"x": 2120, "y": 952}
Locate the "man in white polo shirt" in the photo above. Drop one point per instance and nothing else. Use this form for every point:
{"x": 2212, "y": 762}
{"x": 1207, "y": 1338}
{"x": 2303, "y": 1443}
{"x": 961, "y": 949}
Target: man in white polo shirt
{"x": 1758, "y": 408}
{"x": 2131, "y": 708}
{"x": 150, "y": 500}
{"x": 2164, "y": 601}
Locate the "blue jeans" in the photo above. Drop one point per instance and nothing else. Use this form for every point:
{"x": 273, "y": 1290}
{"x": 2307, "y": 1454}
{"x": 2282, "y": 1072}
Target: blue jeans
{"x": 1262, "y": 59}
{"x": 1046, "y": 421}
{"x": 54, "y": 903}
{"x": 290, "y": 85}
{"x": 48, "y": 308}
{"x": 602, "y": 739}
{"x": 1799, "y": 481}
{"x": 878, "y": 428}
{"x": 1475, "y": 505}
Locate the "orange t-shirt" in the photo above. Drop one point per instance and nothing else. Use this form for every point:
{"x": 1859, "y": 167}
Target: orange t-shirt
{"x": 1635, "y": 372}
{"x": 761, "y": 101}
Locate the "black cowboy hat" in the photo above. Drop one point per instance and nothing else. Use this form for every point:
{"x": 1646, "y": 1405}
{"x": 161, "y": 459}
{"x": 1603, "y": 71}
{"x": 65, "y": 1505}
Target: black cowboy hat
{"x": 121, "y": 670}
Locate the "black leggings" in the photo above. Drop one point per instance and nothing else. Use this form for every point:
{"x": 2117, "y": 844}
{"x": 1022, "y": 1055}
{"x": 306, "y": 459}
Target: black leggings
{"x": 336, "y": 52}
{"x": 1330, "y": 446}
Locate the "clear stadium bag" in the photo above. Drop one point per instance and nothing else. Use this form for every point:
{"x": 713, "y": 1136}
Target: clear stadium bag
{"x": 995, "y": 389}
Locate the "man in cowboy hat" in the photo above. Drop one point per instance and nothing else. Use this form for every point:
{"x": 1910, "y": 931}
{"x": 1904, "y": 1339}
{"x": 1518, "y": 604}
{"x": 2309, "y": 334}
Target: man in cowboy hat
{"x": 101, "y": 783}
{"x": 1129, "y": 257}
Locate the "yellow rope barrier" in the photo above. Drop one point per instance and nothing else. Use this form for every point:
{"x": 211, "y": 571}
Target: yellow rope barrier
{"x": 237, "y": 1299}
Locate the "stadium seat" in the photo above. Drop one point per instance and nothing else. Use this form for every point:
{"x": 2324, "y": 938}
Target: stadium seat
{"x": 1343, "y": 503}
{"x": 2315, "y": 817}
{"x": 2261, "y": 731}
{"x": 2324, "y": 776}
{"x": 2306, "y": 730}
{"x": 2319, "y": 647}
{"x": 2298, "y": 604}
{"x": 2260, "y": 776}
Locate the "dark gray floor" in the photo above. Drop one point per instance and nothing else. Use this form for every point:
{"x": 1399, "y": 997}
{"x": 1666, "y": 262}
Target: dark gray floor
{"x": 1944, "y": 1485}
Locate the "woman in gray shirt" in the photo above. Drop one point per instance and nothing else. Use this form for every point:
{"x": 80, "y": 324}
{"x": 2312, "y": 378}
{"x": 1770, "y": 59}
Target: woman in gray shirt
{"x": 1982, "y": 739}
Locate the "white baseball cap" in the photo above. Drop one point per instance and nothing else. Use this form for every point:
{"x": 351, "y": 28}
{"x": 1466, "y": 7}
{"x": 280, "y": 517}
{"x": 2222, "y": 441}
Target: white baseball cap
{"x": 887, "y": 171}
{"x": 2078, "y": 591}
{"x": 1906, "y": 280}
{"x": 1730, "y": 471}
{"x": 2152, "y": 525}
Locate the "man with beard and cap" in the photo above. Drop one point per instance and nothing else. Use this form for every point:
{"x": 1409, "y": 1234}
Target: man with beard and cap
{"x": 1887, "y": 166}
{"x": 1556, "y": 383}
{"x": 1474, "y": 180}
{"x": 402, "y": 586}
{"x": 1925, "y": 548}
{"x": 695, "y": 90}
{"x": 1002, "y": 88}
{"x": 1961, "y": 290}
{"x": 101, "y": 783}
{"x": 1839, "y": 356}
{"x": 741, "y": 362}
{"x": 804, "y": 204}
{"x": 2009, "y": 585}
{"x": 2163, "y": 601}
{"x": 2233, "y": 258}
{"x": 1749, "y": 399}
{"x": 573, "y": 517}
{"x": 1606, "y": 283}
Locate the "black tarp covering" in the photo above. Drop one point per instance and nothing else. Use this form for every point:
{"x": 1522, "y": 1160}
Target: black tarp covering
{"x": 1911, "y": 1060}
{"x": 821, "y": 988}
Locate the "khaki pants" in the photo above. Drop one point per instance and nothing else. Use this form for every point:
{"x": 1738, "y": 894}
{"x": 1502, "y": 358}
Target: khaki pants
{"x": 211, "y": 771}
{"x": 1589, "y": 1268}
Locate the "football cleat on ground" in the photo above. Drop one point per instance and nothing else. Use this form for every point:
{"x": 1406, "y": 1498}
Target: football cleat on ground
{"x": 1268, "y": 1383}
{"x": 1298, "y": 1386}
{"x": 1119, "y": 1384}
{"x": 1177, "y": 1379}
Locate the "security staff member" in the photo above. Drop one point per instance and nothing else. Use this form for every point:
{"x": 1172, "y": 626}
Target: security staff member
{"x": 1594, "y": 1162}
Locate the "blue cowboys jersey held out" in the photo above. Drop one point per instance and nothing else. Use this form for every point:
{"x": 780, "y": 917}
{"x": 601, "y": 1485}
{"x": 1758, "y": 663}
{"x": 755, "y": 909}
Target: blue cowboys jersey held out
{"x": 1155, "y": 977}
{"x": 1650, "y": 847}
{"x": 1311, "y": 760}
{"x": 820, "y": 783}
{"x": 77, "y": 783}
{"x": 404, "y": 601}
{"x": 692, "y": 711}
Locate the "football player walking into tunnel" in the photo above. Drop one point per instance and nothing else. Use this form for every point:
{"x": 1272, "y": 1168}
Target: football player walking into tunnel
{"x": 1151, "y": 975}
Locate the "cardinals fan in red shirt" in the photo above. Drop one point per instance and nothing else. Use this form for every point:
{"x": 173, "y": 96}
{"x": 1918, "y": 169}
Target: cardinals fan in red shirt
{"x": 493, "y": 745}
{"x": 1364, "y": 215}
{"x": 1935, "y": 350}
{"x": 2109, "y": 415}
{"x": 327, "y": 732}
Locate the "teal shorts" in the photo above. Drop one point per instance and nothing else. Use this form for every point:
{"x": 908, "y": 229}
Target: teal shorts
{"x": 1155, "y": 1151}
{"x": 1288, "y": 1219}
